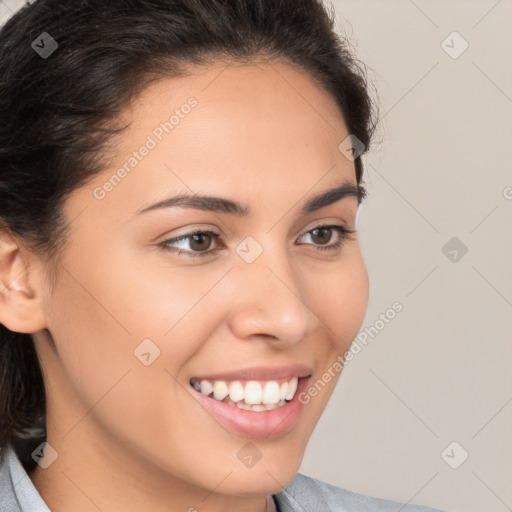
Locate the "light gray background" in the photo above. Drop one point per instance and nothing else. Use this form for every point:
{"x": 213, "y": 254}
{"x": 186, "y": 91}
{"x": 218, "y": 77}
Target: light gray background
{"x": 440, "y": 370}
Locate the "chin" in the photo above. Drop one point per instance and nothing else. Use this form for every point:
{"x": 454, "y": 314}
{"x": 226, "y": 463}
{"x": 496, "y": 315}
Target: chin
{"x": 262, "y": 479}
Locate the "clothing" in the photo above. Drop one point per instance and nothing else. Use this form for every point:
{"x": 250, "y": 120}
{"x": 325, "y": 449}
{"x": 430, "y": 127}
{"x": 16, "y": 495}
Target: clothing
{"x": 303, "y": 494}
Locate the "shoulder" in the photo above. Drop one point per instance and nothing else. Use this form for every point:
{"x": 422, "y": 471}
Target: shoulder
{"x": 307, "y": 494}
{"x": 8, "y": 499}
{"x": 17, "y": 492}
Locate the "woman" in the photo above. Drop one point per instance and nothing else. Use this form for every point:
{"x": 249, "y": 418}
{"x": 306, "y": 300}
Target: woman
{"x": 179, "y": 184}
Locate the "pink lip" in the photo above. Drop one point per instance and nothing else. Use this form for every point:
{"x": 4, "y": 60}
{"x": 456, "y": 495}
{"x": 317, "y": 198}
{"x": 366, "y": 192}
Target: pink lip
{"x": 260, "y": 373}
{"x": 255, "y": 424}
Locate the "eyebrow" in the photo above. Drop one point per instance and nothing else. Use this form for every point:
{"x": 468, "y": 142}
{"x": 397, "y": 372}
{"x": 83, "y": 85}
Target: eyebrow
{"x": 223, "y": 205}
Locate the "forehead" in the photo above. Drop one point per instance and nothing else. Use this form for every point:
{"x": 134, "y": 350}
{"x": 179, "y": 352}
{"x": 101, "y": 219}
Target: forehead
{"x": 231, "y": 129}
{"x": 255, "y": 86}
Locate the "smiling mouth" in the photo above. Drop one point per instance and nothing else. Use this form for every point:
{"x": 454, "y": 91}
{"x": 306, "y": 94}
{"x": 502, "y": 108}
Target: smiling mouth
{"x": 250, "y": 395}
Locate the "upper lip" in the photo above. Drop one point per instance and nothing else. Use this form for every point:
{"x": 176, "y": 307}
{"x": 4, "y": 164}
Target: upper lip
{"x": 260, "y": 373}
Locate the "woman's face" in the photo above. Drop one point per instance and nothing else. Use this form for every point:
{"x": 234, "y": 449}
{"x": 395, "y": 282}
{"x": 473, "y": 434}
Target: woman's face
{"x": 133, "y": 321}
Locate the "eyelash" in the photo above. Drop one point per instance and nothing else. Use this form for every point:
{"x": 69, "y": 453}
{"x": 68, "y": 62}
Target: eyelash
{"x": 342, "y": 230}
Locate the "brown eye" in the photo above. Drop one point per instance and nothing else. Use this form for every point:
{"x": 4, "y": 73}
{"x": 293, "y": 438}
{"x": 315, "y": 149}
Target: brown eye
{"x": 199, "y": 243}
{"x": 321, "y": 235}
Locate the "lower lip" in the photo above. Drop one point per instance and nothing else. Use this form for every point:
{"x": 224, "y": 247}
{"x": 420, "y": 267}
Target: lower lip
{"x": 257, "y": 424}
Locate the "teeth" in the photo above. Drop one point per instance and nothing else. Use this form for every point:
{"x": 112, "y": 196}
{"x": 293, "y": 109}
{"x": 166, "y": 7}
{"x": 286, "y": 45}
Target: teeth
{"x": 206, "y": 387}
{"x": 236, "y": 391}
{"x": 268, "y": 407}
{"x": 253, "y": 393}
{"x": 292, "y": 387}
{"x": 254, "y": 396}
{"x": 220, "y": 390}
{"x": 271, "y": 393}
{"x": 283, "y": 391}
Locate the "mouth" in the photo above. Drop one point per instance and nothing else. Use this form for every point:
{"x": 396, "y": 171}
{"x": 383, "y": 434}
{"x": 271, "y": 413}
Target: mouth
{"x": 252, "y": 395}
{"x": 258, "y": 402}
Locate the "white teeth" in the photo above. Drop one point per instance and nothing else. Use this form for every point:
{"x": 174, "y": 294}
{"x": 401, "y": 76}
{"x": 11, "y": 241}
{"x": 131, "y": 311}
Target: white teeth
{"x": 255, "y": 396}
{"x": 271, "y": 393}
{"x": 244, "y": 406}
{"x": 292, "y": 387}
{"x": 206, "y": 387}
{"x": 253, "y": 393}
{"x": 236, "y": 391}
{"x": 283, "y": 390}
{"x": 220, "y": 390}
{"x": 259, "y": 407}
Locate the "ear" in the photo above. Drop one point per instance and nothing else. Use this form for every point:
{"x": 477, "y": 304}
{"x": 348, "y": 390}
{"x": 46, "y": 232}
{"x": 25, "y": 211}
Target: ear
{"x": 20, "y": 286}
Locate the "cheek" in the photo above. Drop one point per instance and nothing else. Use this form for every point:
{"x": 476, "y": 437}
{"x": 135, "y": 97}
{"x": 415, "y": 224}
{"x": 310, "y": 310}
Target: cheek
{"x": 354, "y": 299}
{"x": 100, "y": 315}
{"x": 178, "y": 306}
{"x": 96, "y": 333}
{"x": 339, "y": 299}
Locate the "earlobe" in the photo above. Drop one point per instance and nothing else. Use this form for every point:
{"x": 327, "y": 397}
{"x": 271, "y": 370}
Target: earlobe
{"x": 20, "y": 292}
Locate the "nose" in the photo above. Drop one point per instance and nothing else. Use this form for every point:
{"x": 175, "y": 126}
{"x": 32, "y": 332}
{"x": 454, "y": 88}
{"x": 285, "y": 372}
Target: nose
{"x": 268, "y": 302}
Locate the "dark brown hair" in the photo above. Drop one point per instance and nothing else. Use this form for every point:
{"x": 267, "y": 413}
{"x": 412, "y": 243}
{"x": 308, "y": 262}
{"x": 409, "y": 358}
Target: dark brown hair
{"x": 58, "y": 116}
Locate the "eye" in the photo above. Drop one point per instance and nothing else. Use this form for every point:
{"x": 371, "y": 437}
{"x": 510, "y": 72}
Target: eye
{"x": 322, "y": 234}
{"x": 200, "y": 241}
